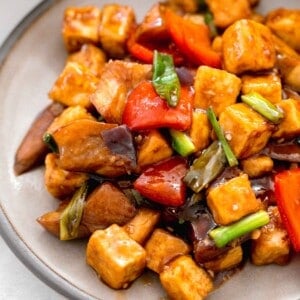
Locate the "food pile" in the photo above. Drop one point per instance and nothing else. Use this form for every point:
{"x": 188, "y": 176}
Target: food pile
{"x": 173, "y": 144}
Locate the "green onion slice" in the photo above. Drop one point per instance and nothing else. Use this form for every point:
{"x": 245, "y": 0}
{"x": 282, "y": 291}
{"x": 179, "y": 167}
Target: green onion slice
{"x": 165, "y": 78}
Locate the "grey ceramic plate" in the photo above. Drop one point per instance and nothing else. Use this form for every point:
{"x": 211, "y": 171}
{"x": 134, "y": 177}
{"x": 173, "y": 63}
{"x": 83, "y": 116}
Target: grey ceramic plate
{"x": 31, "y": 58}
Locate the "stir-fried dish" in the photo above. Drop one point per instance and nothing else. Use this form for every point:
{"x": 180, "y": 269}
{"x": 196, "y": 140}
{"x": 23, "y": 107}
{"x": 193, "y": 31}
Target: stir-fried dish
{"x": 173, "y": 144}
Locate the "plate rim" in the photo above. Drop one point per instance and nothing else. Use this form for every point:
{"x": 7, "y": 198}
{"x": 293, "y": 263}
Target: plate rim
{"x": 7, "y": 231}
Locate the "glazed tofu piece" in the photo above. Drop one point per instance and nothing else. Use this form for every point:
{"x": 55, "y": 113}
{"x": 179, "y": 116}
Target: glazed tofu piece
{"x": 285, "y": 23}
{"x": 215, "y": 88}
{"x": 117, "y": 259}
{"x": 69, "y": 115}
{"x": 61, "y": 183}
{"x": 246, "y": 131}
{"x": 273, "y": 244}
{"x": 257, "y": 166}
{"x": 226, "y": 261}
{"x": 227, "y": 13}
{"x": 269, "y": 86}
{"x": 142, "y": 225}
{"x": 188, "y": 6}
{"x": 200, "y": 130}
{"x": 90, "y": 56}
{"x": 117, "y": 22}
{"x": 248, "y": 46}
{"x": 74, "y": 86}
{"x": 117, "y": 79}
{"x": 152, "y": 148}
{"x": 289, "y": 127}
{"x": 183, "y": 279}
{"x": 231, "y": 200}
{"x": 163, "y": 247}
{"x": 80, "y": 26}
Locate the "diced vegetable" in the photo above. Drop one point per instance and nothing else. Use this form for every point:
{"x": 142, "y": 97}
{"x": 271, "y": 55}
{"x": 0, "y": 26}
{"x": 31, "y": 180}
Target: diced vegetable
{"x": 192, "y": 39}
{"x": 225, "y": 234}
{"x": 71, "y": 216}
{"x": 287, "y": 192}
{"x": 165, "y": 79}
{"x": 182, "y": 143}
{"x": 209, "y": 20}
{"x": 206, "y": 167}
{"x": 263, "y": 106}
{"x": 228, "y": 152}
{"x": 146, "y": 110}
{"x": 163, "y": 183}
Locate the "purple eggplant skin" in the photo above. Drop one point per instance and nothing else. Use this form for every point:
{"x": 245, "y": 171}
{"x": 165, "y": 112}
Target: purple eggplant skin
{"x": 32, "y": 150}
{"x": 119, "y": 141}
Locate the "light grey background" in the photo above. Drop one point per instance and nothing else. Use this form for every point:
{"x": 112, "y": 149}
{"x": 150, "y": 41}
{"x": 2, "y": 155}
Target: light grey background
{"x": 16, "y": 281}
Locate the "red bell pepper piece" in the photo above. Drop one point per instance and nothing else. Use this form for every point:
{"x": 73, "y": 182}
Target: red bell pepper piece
{"x": 145, "y": 110}
{"x": 163, "y": 182}
{"x": 287, "y": 192}
{"x": 192, "y": 39}
{"x": 144, "y": 52}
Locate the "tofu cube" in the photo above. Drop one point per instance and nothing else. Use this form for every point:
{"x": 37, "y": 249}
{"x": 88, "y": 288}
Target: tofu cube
{"x": 200, "y": 130}
{"x": 257, "y": 166}
{"x": 273, "y": 244}
{"x": 215, "y": 88}
{"x": 61, "y": 183}
{"x": 248, "y": 46}
{"x": 183, "y": 279}
{"x": 142, "y": 225}
{"x": 225, "y": 15}
{"x": 153, "y": 148}
{"x": 90, "y": 56}
{"x": 289, "y": 127}
{"x": 69, "y": 115}
{"x": 232, "y": 200}
{"x": 116, "y": 258}
{"x": 225, "y": 261}
{"x": 74, "y": 86}
{"x": 80, "y": 26}
{"x": 117, "y": 22}
{"x": 163, "y": 247}
{"x": 246, "y": 131}
{"x": 269, "y": 86}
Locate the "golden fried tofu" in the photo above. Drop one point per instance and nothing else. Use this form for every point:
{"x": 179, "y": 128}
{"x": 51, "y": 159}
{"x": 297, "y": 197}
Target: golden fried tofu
{"x": 141, "y": 226}
{"x": 117, "y": 22}
{"x": 80, "y": 26}
{"x": 69, "y": 115}
{"x": 152, "y": 148}
{"x": 90, "y": 56}
{"x": 257, "y": 166}
{"x": 162, "y": 247}
{"x": 227, "y": 13}
{"x": 117, "y": 259}
{"x": 74, "y": 85}
{"x": 269, "y": 86}
{"x": 248, "y": 46}
{"x": 273, "y": 244}
{"x": 285, "y": 23}
{"x": 231, "y": 200}
{"x": 215, "y": 88}
{"x": 188, "y": 6}
{"x": 200, "y": 130}
{"x": 61, "y": 183}
{"x": 246, "y": 131}
{"x": 117, "y": 79}
{"x": 225, "y": 261}
{"x": 183, "y": 279}
{"x": 289, "y": 127}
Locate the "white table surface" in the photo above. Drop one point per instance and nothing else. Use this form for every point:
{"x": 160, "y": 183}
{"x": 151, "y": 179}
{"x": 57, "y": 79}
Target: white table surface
{"x": 16, "y": 281}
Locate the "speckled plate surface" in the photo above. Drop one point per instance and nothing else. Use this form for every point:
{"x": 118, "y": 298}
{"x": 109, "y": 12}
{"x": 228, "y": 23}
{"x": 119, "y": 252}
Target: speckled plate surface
{"x": 31, "y": 59}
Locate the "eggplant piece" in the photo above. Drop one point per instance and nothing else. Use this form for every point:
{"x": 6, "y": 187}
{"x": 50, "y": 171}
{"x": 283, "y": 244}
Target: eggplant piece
{"x": 32, "y": 150}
